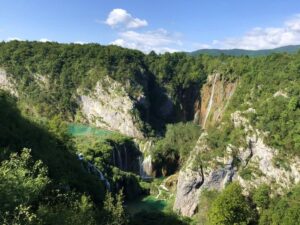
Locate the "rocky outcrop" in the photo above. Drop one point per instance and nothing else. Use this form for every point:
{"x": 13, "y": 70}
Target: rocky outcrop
{"x": 109, "y": 106}
{"x": 258, "y": 159}
{"x": 192, "y": 182}
{"x": 189, "y": 181}
{"x": 7, "y": 83}
{"x": 215, "y": 95}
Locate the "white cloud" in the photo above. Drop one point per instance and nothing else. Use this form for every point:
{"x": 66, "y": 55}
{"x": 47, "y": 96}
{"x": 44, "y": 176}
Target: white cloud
{"x": 264, "y": 38}
{"x": 159, "y": 40}
{"x": 121, "y": 18}
{"x": 44, "y": 40}
{"x": 14, "y": 39}
{"x": 80, "y": 42}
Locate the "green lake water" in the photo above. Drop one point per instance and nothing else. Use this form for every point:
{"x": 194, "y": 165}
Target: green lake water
{"x": 85, "y": 130}
{"x": 149, "y": 203}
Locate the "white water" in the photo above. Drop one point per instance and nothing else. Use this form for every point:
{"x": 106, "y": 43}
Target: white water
{"x": 210, "y": 100}
{"x": 142, "y": 163}
{"x": 94, "y": 170}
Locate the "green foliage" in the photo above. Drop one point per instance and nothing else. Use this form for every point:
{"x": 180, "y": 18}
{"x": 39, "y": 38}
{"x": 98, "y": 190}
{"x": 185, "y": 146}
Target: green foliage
{"x": 53, "y": 149}
{"x": 22, "y": 182}
{"x": 68, "y": 209}
{"x": 175, "y": 147}
{"x": 283, "y": 210}
{"x": 114, "y": 211}
{"x": 206, "y": 200}
{"x": 261, "y": 196}
{"x": 150, "y": 218}
{"x": 231, "y": 207}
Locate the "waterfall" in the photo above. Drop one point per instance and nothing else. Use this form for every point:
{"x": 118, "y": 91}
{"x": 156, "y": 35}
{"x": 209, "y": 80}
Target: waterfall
{"x": 145, "y": 164}
{"x": 114, "y": 157}
{"x": 120, "y": 162}
{"x": 92, "y": 169}
{"x": 126, "y": 163}
{"x": 210, "y": 100}
{"x": 141, "y": 169}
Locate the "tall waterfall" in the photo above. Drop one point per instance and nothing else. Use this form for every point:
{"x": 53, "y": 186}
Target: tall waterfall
{"x": 210, "y": 100}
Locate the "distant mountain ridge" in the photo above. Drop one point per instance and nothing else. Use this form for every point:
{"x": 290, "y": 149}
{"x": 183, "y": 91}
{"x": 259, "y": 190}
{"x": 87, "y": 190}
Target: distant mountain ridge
{"x": 241, "y": 52}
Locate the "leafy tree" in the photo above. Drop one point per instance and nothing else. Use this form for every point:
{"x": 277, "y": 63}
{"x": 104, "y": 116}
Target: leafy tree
{"x": 231, "y": 207}
{"x": 261, "y": 196}
{"x": 113, "y": 209}
{"x": 21, "y": 180}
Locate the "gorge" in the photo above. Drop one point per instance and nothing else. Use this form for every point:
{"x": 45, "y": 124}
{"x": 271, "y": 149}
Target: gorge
{"x": 175, "y": 128}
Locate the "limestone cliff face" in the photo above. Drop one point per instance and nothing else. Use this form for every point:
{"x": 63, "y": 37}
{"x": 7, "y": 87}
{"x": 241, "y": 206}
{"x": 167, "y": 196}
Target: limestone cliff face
{"x": 260, "y": 159}
{"x": 215, "y": 95}
{"x": 109, "y": 106}
{"x": 257, "y": 158}
{"x": 193, "y": 179}
{"x": 7, "y": 83}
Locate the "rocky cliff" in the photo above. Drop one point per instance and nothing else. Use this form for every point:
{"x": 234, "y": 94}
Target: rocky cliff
{"x": 251, "y": 164}
{"x": 109, "y": 106}
{"x": 214, "y": 97}
{"x": 7, "y": 83}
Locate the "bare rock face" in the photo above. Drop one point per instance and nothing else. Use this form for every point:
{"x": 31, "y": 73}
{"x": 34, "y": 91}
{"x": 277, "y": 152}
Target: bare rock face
{"x": 109, "y": 106}
{"x": 7, "y": 84}
{"x": 187, "y": 195}
{"x": 215, "y": 95}
{"x": 261, "y": 160}
{"x": 190, "y": 179}
{"x": 256, "y": 157}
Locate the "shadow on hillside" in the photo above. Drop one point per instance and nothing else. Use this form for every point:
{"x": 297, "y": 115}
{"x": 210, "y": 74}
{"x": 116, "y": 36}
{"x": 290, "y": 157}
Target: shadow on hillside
{"x": 150, "y": 218}
{"x": 17, "y": 132}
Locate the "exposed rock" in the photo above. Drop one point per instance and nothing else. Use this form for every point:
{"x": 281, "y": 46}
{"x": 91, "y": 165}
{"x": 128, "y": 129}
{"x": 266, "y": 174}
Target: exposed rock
{"x": 110, "y": 107}
{"x": 281, "y": 93}
{"x": 42, "y": 81}
{"x": 190, "y": 180}
{"x": 259, "y": 157}
{"x": 7, "y": 83}
{"x": 171, "y": 182}
{"x": 215, "y": 95}
{"x": 262, "y": 159}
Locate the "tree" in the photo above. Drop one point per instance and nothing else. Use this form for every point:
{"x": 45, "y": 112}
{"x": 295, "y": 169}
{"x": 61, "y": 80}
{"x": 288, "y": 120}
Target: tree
{"x": 21, "y": 182}
{"x": 261, "y": 196}
{"x": 114, "y": 213}
{"x": 231, "y": 207}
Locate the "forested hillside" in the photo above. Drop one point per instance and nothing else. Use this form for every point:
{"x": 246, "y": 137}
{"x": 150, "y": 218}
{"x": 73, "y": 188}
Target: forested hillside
{"x": 87, "y": 130}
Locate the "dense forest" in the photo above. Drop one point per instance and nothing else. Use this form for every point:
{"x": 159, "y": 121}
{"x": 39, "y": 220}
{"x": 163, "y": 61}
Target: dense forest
{"x": 42, "y": 181}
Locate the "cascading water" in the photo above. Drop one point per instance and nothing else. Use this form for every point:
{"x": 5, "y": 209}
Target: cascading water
{"x": 210, "y": 100}
{"x": 92, "y": 169}
{"x": 126, "y": 163}
{"x": 120, "y": 161}
{"x": 142, "y": 164}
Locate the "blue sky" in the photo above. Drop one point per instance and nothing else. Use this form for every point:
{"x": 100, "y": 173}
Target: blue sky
{"x": 158, "y": 25}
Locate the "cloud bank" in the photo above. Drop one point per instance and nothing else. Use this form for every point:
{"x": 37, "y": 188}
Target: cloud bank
{"x": 263, "y": 38}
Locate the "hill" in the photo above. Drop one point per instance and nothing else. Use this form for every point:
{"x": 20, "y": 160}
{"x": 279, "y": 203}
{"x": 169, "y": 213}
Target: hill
{"x": 241, "y": 52}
